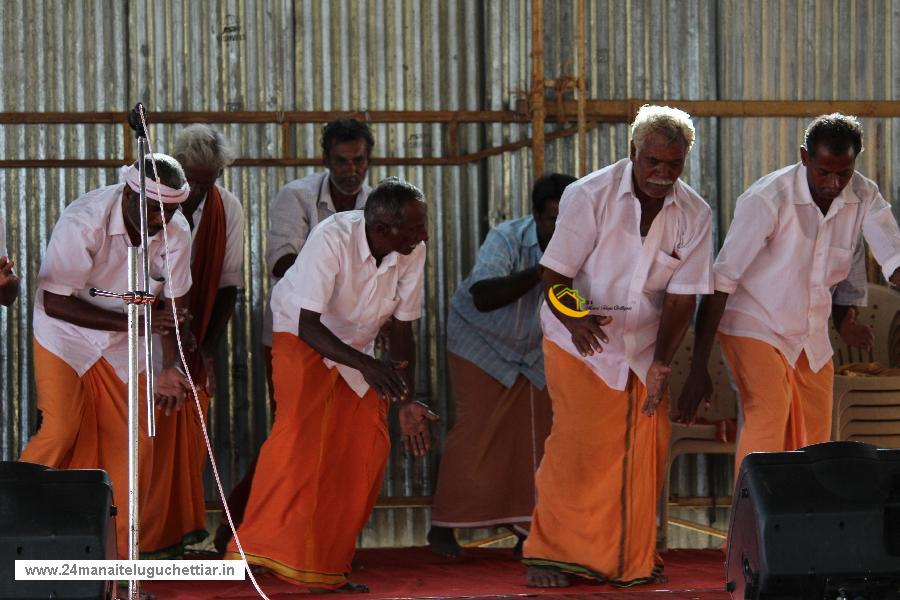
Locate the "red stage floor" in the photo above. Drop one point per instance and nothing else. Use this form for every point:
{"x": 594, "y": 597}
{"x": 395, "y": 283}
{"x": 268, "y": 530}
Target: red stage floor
{"x": 417, "y": 573}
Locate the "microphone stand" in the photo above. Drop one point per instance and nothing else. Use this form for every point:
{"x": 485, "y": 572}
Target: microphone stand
{"x": 137, "y": 298}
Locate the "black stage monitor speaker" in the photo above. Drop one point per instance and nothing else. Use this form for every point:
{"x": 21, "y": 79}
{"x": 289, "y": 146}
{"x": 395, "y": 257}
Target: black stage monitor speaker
{"x": 49, "y": 514}
{"x": 820, "y": 522}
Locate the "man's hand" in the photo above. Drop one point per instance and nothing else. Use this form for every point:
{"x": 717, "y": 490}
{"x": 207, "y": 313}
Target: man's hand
{"x": 854, "y": 333}
{"x": 9, "y": 282}
{"x": 164, "y": 323}
{"x": 413, "y": 418}
{"x": 171, "y": 388}
{"x": 657, "y": 385}
{"x": 587, "y": 332}
{"x": 697, "y": 388}
{"x": 7, "y": 276}
{"x": 385, "y": 379}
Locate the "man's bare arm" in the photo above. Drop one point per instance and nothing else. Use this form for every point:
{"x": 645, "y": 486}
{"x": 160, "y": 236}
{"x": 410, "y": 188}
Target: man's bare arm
{"x": 677, "y": 311}
{"x": 497, "y": 292}
{"x": 383, "y": 378}
{"x": 283, "y": 264}
{"x": 699, "y": 385}
{"x": 223, "y": 309}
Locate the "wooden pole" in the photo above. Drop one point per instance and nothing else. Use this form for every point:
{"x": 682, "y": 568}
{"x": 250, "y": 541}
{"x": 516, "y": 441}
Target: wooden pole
{"x": 537, "y": 87}
{"x": 582, "y": 73}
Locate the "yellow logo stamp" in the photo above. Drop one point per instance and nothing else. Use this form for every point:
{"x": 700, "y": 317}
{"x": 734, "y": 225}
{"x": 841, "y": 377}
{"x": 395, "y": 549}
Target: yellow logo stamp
{"x": 557, "y": 293}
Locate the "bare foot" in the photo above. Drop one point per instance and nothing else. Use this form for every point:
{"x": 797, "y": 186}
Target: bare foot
{"x": 443, "y": 542}
{"x": 546, "y": 578}
{"x": 347, "y": 588}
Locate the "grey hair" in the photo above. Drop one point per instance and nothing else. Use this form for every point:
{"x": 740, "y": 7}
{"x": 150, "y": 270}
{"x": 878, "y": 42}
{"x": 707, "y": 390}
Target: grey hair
{"x": 385, "y": 203}
{"x": 200, "y": 145}
{"x": 672, "y": 123}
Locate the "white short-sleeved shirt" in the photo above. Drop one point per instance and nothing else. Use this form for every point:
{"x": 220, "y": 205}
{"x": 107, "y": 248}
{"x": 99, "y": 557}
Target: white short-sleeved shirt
{"x": 89, "y": 248}
{"x": 296, "y": 210}
{"x": 782, "y": 255}
{"x": 233, "y": 264}
{"x": 298, "y": 207}
{"x": 598, "y": 243}
{"x": 336, "y": 275}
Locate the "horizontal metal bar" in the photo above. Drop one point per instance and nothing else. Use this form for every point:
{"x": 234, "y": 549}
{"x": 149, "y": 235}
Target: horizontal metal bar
{"x": 623, "y": 111}
{"x": 717, "y": 533}
{"x": 375, "y": 116}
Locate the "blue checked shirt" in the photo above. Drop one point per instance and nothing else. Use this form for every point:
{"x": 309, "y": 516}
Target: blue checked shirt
{"x": 506, "y": 341}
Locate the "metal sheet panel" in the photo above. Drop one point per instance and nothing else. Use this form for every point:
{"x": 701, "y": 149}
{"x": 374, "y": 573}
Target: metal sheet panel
{"x": 208, "y": 55}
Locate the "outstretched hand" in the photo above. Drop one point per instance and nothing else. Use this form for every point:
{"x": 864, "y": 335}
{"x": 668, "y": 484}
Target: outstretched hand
{"x": 697, "y": 388}
{"x": 854, "y": 333}
{"x": 657, "y": 386}
{"x": 414, "y": 419}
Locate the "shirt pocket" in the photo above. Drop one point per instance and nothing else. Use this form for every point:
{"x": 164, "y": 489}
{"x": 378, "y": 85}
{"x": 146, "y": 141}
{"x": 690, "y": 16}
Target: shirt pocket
{"x": 838, "y": 267}
{"x": 661, "y": 272}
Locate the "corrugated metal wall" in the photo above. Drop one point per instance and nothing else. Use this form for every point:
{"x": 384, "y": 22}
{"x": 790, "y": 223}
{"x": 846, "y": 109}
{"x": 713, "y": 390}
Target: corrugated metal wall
{"x": 209, "y": 55}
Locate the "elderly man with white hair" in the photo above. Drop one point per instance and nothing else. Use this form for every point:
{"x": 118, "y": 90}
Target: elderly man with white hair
{"x": 176, "y": 512}
{"x": 81, "y": 342}
{"x": 633, "y": 247}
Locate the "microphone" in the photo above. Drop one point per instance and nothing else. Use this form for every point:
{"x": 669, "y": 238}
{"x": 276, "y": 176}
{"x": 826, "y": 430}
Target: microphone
{"x": 134, "y": 120}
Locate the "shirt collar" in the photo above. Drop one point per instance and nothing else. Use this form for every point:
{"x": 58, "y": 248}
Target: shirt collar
{"x": 324, "y": 194}
{"x": 365, "y": 253}
{"x": 626, "y": 187}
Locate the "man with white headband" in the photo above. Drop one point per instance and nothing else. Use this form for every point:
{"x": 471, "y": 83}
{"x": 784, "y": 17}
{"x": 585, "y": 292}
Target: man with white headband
{"x": 635, "y": 241}
{"x": 81, "y": 342}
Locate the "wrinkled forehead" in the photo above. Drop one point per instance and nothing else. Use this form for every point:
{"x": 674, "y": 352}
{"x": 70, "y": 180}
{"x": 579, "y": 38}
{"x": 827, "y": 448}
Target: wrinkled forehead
{"x": 657, "y": 145}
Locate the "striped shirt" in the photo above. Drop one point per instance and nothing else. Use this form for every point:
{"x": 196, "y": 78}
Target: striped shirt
{"x": 507, "y": 341}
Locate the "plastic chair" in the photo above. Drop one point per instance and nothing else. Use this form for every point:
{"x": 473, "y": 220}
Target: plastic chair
{"x": 883, "y": 315}
{"x": 703, "y": 437}
{"x": 867, "y": 408}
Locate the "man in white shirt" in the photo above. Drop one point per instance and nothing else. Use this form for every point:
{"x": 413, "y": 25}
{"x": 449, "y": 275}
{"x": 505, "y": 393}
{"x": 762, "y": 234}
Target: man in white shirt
{"x": 636, "y": 242}
{"x": 81, "y": 342}
{"x": 320, "y": 470}
{"x": 793, "y": 237}
{"x": 9, "y": 281}
{"x": 176, "y": 515}
{"x": 296, "y": 210}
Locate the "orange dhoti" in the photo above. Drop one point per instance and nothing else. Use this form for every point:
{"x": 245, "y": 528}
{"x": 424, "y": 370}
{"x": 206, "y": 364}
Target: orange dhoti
{"x": 600, "y": 479}
{"x": 492, "y": 451}
{"x": 175, "y": 513}
{"x": 318, "y": 473}
{"x": 85, "y": 426}
{"x": 783, "y": 407}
